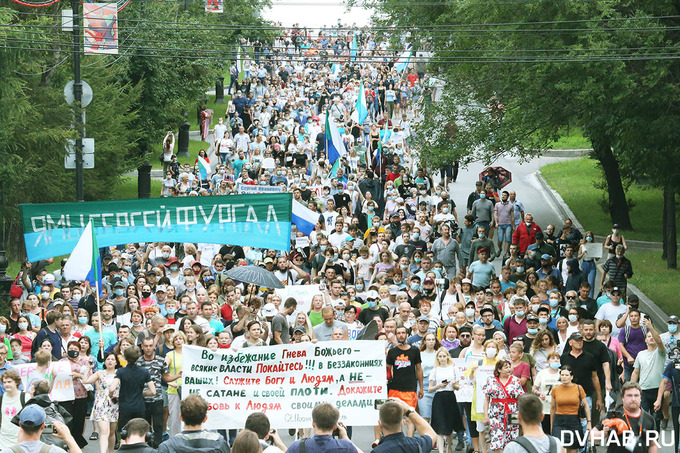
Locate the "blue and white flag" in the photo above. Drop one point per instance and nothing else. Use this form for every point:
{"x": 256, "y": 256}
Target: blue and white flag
{"x": 85, "y": 262}
{"x": 403, "y": 61}
{"x": 203, "y": 168}
{"x": 361, "y": 108}
{"x": 335, "y": 147}
{"x": 304, "y": 218}
{"x": 353, "y": 48}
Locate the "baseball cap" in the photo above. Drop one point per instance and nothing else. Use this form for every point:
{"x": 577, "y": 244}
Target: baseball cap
{"x": 268, "y": 260}
{"x": 423, "y": 318}
{"x": 616, "y": 290}
{"x": 545, "y": 256}
{"x": 576, "y": 336}
{"x": 539, "y": 235}
{"x": 161, "y": 288}
{"x": 196, "y": 263}
{"x": 48, "y": 279}
{"x": 269, "y": 310}
{"x": 482, "y": 250}
{"x": 478, "y": 183}
{"x": 428, "y": 280}
{"x": 633, "y": 298}
{"x": 119, "y": 284}
{"x": 485, "y": 310}
{"x": 394, "y": 289}
{"x": 466, "y": 280}
{"x": 151, "y": 272}
{"x": 32, "y": 416}
{"x": 673, "y": 319}
{"x": 300, "y": 329}
{"x": 372, "y": 294}
{"x": 532, "y": 318}
{"x": 113, "y": 267}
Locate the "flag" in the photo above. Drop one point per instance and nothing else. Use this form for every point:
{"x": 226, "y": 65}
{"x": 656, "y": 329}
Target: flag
{"x": 335, "y": 148}
{"x": 239, "y": 63}
{"x": 304, "y": 218}
{"x": 336, "y": 69}
{"x": 403, "y": 61}
{"x": 214, "y": 6}
{"x": 361, "y": 108}
{"x": 203, "y": 168}
{"x": 85, "y": 262}
{"x": 353, "y": 48}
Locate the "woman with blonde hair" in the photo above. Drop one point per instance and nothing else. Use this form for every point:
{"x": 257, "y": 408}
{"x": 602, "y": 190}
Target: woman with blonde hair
{"x": 443, "y": 382}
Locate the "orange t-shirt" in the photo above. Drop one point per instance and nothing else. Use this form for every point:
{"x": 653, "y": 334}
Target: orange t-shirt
{"x": 567, "y": 399}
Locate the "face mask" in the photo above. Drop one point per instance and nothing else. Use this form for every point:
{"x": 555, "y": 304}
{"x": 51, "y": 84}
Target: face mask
{"x": 359, "y": 287}
{"x": 618, "y": 256}
{"x": 672, "y": 328}
{"x": 532, "y": 331}
{"x": 543, "y": 320}
{"x": 573, "y": 318}
{"x": 165, "y": 256}
{"x": 589, "y": 239}
{"x": 554, "y": 303}
{"x": 445, "y": 210}
{"x": 372, "y": 304}
{"x": 535, "y": 307}
{"x": 73, "y": 354}
{"x": 417, "y": 260}
{"x": 77, "y": 297}
{"x": 416, "y": 236}
{"x": 491, "y": 352}
{"x": 119, "y": 292}
{"x": 82, "y": 320}
{"x": 189, "y": 287}
{"x": 403, "y": 267}
{"x": 3, "y": 328}
{"x": 415, "y": 286}
{"x": 520, "y": 269}
{"x": 482, "y": 235}
{"x": 171, "y": 311}
{"x": 136, "y": 324}
{"x": 371, "y": 209}
{"x": 45, "y": 295}
{"x": 22, "y": 325}
{"x": 555, "y": 365}
{"x": 469, "y": 312}
{"x": 519, "y": 313}
{"x": 345, "y": 256}
{"x": 527, "y": 224}
{"x": 615, "y": 231}
{"x": 335, "y": 257}
{"x": 146, "y": 294}
{"x": 174, "y": 268}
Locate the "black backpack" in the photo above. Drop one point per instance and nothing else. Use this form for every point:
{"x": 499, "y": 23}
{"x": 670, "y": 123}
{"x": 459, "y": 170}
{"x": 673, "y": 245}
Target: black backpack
{"x": 529, "y": 447}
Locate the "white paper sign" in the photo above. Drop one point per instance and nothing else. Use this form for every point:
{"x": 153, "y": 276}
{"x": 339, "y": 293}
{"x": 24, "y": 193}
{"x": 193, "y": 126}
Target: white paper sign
{"x": 482, "y": 374}
{"x": 303, "y": 294}
{"x": 593, "y": 251}
{"x": 62, "y": 389}
{"x": 467, "y": 386}
{"x": 287, "y": 381}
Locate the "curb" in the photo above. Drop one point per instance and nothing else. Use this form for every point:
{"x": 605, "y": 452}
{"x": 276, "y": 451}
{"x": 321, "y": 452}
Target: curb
{"x": 565, "y": 152}
{"x": 658, "y": 316}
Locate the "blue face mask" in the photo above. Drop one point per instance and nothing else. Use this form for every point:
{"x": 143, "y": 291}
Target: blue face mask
{"x": 554, "y": 303}
{"x": 519, "y": 313}
{"x": 532, "y": 331}
{"x": 174, "y": 268}
{"x": 322, "y": 248}
{"x": 359, "y": 287}
{"x": 171, "y": 311}
{"x": 372, "y": 304}
{"x": 543, "y": 320}
{"x": 415, "y": 286}
{"x": 82, "y": 320}
{"x": 589, "y": 239}
{"x": 672, "y": 328}
{"x": 119, "y": 292}
{"x": 555, "y": 365}
{"x": 482, "y": 195}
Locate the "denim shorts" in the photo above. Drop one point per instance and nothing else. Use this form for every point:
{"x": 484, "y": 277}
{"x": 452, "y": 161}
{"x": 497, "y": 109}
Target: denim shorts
{"x": 504, "y": 233}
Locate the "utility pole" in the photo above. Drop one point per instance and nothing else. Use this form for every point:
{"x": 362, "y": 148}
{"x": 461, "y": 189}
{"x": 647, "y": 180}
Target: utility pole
{"x": 78, "y": 95}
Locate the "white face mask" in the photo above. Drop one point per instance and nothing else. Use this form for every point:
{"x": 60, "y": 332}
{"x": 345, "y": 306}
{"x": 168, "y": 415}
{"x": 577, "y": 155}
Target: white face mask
{"x": 469, "y": 312}
{"x": 491, "y": 352}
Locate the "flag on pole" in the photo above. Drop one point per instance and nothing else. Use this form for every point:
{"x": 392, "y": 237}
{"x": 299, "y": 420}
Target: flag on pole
{"x": 353, "y": 48}
{"x": 361, "y": 108}
{"x": 335, "y": 148}
{"x": 85, "y": 262}
{"x": 403, "y": 61}
{"x": 239, "y": 63}
{"x": 100, "y": 25}
{"x": 203, "y": 168}
{"x": 304, "y": 218}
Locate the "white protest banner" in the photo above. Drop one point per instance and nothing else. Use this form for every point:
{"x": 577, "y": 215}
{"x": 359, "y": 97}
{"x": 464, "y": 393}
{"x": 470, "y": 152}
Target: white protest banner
{"x": 251, "y": 189}
{"x": 303, "y": 294}
{"x": 467, "y": 386}
{"x": 593, "y": 251}
{"x": 482, "y": 374}
{"x": 62, "y": 389}
{"x": 287, "y": 381}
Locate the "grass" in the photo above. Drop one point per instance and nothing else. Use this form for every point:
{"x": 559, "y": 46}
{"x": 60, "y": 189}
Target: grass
{"x": 575, "y": 181}
{"x": 653, "y": 278}
{"x": 127, "y": 189}
{"x": 194, "y": 147}
{"x": 575, "y": 140}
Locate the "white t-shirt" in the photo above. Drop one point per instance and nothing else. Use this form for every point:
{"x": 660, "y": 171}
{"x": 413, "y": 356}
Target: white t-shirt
{"x": 439, "y": 374}
{"x": 9, "y": 432}
{"x": 611, "y": 312}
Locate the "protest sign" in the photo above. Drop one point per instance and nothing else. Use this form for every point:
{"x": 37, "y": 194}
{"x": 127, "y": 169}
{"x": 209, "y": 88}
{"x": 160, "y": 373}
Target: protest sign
{"x": 467, "y": 386}
{"x": 287, "y": 381}
{"x": 251, "y": 189}
{"x": 256, "y": 220}
{"x": 303, "y": 294}
{"x": 63, "y": 382}
{"x": 482, "y": 374}
{"x": 593, "y": 251}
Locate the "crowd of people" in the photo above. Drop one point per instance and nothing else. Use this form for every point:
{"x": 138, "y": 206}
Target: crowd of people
{"x": 481, "y": 281}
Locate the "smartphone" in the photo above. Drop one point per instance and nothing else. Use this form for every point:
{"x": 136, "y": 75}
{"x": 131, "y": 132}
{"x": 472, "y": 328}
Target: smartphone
{"x": 378, "y": 403}
{"x": 445, "y": 381}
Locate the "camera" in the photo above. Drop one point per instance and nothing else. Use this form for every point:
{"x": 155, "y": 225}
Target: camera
{"x": 49, "y": 429}
{"x": 513, "y": 419}
{"x": 674, "y": 356}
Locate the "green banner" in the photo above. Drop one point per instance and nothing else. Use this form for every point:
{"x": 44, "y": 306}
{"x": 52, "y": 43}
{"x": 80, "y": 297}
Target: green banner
{"x": 258, "y": 220}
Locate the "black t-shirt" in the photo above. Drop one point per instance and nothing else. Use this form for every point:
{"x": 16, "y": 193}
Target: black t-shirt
{"x": 644, "y": 436}
{"x": 403, "y": 369}
{"x": 234, "y": 250}
{"x": 366, "y": 315}
{"x": 300, "y": 159}
{"x": 455, "y": 352}
{"x": 583, "y": 367}
{"x": 488, "y": 333}
{"x": 599, "y": 351}
{"x": 132, "y": 380}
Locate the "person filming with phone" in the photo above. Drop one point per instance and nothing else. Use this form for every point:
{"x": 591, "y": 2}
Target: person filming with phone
{"x": 324, "y": 421}
{"x": 391, "y": 423}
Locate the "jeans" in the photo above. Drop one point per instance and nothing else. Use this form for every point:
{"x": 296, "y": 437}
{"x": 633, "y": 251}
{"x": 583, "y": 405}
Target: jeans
{"x": 647, "y": 404}
{"x": 154, "y": 415}
{"x": 584, "y": 422}
{"x": 588, "y": 268}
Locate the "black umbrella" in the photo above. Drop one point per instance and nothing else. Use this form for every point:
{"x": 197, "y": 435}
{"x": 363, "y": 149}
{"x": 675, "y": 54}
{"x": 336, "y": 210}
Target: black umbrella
{"x": 255, "y": 275}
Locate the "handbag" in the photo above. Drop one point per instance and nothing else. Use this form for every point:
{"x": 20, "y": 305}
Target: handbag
{"x": 581, "y": 407}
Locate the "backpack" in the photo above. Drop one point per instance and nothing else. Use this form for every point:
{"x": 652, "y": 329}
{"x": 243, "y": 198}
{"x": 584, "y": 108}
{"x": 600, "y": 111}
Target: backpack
{"x": 203, "y": 442}
{"x": 43, "y": 449}
{"x": 529, "y": 447}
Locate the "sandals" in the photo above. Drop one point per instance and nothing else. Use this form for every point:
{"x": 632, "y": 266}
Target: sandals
{"x": 94, "y": 435}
